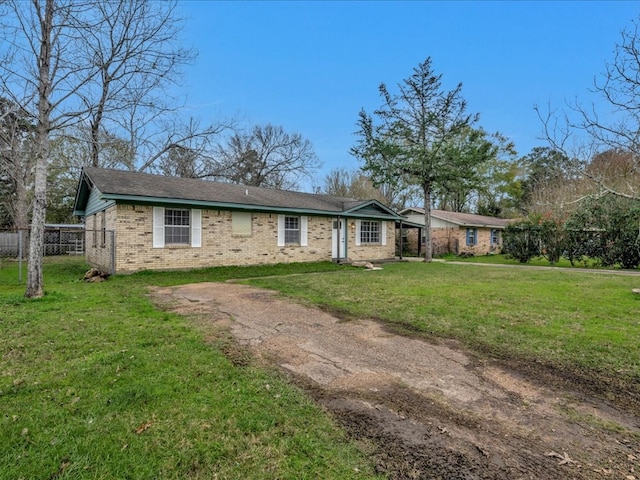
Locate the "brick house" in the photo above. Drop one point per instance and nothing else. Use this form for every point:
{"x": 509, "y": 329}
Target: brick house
{"x": 139, "y": 221}
{"x": 454, "y": 232}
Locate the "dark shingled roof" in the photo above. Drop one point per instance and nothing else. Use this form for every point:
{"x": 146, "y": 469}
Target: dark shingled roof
{"x": 464, "y": 219}
{"x": 121, "y": 183}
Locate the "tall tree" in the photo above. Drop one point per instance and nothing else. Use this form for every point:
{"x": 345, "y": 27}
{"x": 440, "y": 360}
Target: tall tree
{"x": 500, "y": 194}
{"x": 411, "y": 136}
{"x": 267, "y": 156}
{"x": 470, "y": 151}
{"x": 545, "y": 169}
{"x": 41, "y": 71}
{"x": 104, "y": 63}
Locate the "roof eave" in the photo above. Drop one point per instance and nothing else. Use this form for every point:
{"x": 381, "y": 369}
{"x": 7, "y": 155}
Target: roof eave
{"x": 240, "y": 206}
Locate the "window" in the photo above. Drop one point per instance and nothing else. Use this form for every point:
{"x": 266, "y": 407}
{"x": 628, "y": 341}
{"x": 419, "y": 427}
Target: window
{"x": 495, "y": 237}
{"x": 176, "y": 226}
{"x": 241, "y": 223}
{"x": 472, "y": 237}
{"x": 369, "y": 231}
{"x": 291, "y": 230}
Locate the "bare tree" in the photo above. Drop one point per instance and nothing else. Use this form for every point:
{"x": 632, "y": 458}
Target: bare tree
{"x": 136, "y": 55}
{"x": 585, "y": 132}
{"x": 268, "y": 157}
{"x": 355, "y": 184}
{"x": 105, "y": 64}
{"x": 16, "y": 162}
{"x": 161, "y": 146}
{"x": 41, "y": 71}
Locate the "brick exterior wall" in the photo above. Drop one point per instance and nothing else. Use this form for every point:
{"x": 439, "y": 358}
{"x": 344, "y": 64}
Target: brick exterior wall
{"x": 453, "y": 240}
{"x": 133, "y": 225}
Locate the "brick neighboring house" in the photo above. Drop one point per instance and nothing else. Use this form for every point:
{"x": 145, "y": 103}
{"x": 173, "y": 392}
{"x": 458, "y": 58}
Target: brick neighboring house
{"x": 454, "y": 232}
{"x": 139, "y": 221}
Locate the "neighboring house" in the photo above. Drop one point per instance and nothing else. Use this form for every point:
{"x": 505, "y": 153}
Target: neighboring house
{"x": 137, "y": 221}
{"x": 454, "y": 232}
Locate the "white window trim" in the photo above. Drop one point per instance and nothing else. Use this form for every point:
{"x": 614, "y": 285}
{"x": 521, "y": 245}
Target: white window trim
{"x": 158, "y": 227}
{"x": 196, "y": 228}
{"x": 303, "y": 232}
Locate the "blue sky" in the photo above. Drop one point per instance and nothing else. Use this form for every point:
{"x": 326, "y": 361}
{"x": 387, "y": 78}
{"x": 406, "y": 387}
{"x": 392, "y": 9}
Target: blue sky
{"x": 312, "y": 66}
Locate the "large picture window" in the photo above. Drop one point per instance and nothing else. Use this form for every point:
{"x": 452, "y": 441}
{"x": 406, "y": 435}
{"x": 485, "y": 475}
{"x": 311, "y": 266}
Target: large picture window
{"x": 369, "y": 231}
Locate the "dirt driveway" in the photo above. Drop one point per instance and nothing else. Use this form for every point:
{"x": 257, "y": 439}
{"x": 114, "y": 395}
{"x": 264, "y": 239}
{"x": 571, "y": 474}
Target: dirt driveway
{"x": 425, "y": 410}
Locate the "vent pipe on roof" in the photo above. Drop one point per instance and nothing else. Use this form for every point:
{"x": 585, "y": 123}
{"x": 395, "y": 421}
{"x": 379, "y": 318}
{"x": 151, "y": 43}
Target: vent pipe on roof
{"x": 246, "y": 192}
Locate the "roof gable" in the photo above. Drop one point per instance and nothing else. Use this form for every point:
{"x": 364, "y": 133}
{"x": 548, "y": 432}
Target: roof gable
{"x": 136, "y": 187}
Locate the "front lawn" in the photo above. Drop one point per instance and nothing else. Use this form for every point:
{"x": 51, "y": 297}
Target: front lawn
{"x": 95, "y": 382}
{"x": 581, "y": 323}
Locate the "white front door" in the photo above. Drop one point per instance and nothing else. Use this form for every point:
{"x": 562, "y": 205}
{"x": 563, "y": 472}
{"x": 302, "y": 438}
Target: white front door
{"x": 339, "y": 247}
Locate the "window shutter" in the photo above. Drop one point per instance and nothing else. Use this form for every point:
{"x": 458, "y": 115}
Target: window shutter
{"x": 303, "y": 232}
{"x": 358, "y": 223}
{"x": 281, "y": 230}
{"x": 158, "y": 227}
{"x": 196, "y": 228}
{"x": 383, "y": 233}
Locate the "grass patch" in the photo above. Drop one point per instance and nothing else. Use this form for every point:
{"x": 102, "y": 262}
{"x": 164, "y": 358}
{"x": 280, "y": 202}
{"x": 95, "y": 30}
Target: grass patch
{"x": 95, "y": 382}
{"x": 535, "y": 262}
{"x": 584, "y": 322}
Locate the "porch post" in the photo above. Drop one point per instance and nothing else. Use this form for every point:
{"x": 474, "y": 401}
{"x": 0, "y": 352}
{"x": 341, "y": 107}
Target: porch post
{"x": 338, "y": 240}
{"x": 401, "y": 237}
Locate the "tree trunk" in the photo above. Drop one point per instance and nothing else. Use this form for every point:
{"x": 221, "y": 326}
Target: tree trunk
{"x": 428, "y": 244}
{"x": 35, "y": 283}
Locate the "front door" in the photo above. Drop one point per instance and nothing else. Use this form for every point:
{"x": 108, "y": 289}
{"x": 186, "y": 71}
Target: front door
{"x": 339, "y": 240}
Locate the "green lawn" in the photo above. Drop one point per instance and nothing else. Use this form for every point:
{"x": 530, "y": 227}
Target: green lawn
{"x": 588, "y": 323}
{"x": 96, "y": 382}
{"x": 535, "y": 262}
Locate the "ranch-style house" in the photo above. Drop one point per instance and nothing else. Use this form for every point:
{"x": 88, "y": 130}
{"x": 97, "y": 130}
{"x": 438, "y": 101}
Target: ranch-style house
{"x": 139, "y": 221}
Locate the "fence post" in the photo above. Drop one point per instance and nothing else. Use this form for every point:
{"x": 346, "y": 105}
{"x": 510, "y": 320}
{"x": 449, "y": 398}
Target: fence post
{"x": 20, "y": 255}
